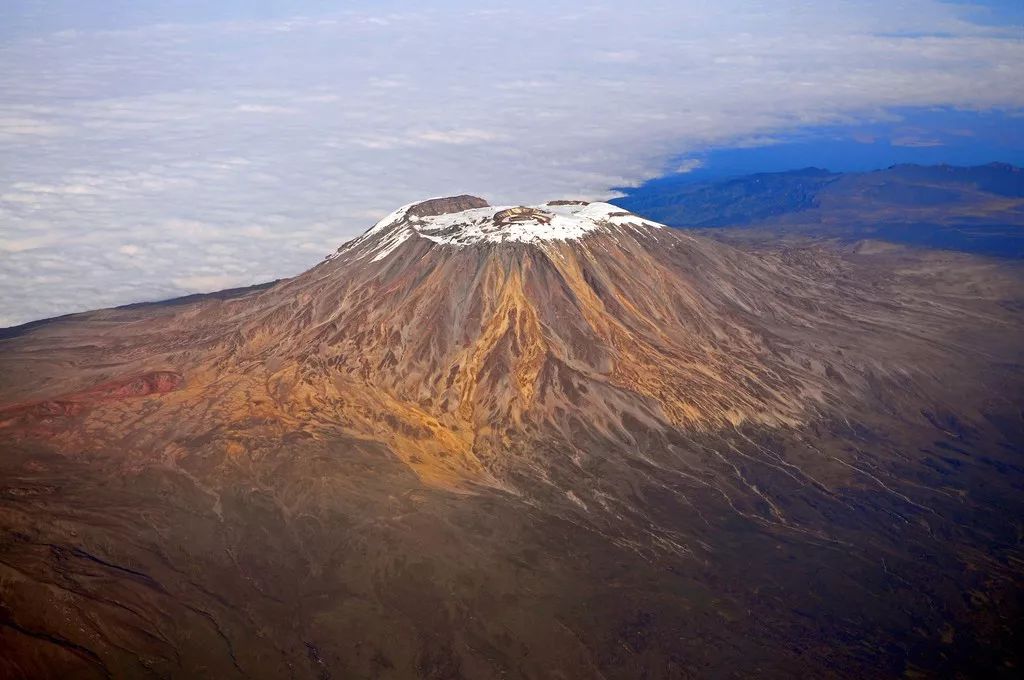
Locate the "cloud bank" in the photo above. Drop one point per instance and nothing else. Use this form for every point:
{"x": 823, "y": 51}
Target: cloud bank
{"x": 148, "y": 155}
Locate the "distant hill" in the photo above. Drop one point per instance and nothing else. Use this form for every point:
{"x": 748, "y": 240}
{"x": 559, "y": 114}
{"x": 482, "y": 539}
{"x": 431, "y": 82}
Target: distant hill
{"x": 974, "y": 209}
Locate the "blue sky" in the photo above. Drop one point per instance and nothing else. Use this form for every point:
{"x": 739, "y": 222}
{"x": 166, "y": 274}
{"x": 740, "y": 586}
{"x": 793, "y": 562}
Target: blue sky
{"x": 153, "y": 149}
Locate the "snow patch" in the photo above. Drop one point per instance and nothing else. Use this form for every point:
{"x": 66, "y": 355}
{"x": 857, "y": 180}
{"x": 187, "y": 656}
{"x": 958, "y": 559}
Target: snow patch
{"x": 500, "y": 224}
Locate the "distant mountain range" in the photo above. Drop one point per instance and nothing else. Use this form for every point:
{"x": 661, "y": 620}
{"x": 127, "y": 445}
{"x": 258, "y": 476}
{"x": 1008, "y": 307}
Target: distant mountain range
{"x": 974, "y": 209}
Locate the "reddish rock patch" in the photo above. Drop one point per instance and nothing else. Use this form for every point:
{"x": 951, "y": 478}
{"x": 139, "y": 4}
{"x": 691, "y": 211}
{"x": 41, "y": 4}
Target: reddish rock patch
{"x": 157, "y": 382}
{"x": 35, "y": 414}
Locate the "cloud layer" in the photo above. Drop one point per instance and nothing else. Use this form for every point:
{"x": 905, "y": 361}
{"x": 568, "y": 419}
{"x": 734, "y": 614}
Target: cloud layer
{"x": 150, "y": 155}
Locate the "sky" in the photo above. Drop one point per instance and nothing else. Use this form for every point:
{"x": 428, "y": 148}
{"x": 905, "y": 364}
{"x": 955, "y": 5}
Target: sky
{"x": 153, "y": 149}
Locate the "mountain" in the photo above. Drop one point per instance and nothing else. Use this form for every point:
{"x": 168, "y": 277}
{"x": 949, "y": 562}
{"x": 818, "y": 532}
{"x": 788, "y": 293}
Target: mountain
{"x": 558, "y": 441}
{"x": 977, "y": 209}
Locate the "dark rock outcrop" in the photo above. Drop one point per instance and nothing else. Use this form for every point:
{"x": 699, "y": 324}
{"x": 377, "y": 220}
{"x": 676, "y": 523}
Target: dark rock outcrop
{"x": 449, "y": 204}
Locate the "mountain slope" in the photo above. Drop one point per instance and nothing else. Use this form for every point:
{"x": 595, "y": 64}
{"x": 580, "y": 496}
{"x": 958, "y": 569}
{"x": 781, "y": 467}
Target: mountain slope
{"x": 542, "y": 441}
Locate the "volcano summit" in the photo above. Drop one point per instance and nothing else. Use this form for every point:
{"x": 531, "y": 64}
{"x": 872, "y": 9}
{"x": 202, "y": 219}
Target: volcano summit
{"x": 524, "y": 441}
{"x": 465, "y": 220}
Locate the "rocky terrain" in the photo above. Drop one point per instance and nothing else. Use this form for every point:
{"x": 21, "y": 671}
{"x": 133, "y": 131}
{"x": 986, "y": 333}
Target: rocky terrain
{"x": 555, "y": 441}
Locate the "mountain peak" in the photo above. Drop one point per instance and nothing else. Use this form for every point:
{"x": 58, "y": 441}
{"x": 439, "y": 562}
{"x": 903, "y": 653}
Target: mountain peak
{"x": 446, "y": 205}
{"x": 468, "y": 220}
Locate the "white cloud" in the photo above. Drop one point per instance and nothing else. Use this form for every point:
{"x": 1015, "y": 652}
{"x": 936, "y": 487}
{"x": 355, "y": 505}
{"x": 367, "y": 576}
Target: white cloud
{"x": 19, "y": 245}
{"x": 457, "y": 137}
{"x": 263, "y": 108}
{"x": 12, "y": 127}
{"x": 204, "y": 283}
{"x": 689, "y": 165}
{"x": 167, "y": 133}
